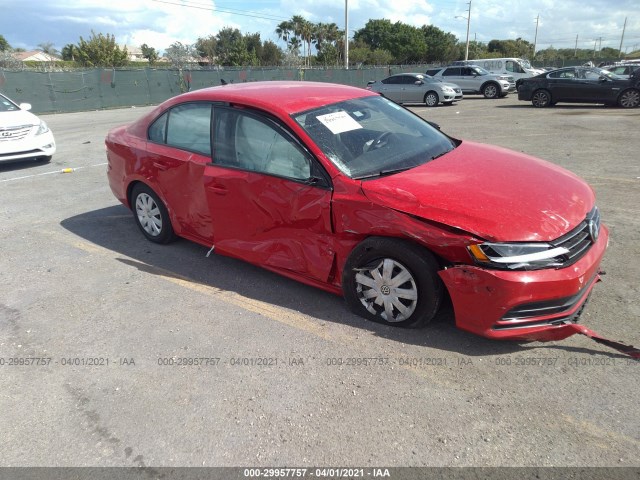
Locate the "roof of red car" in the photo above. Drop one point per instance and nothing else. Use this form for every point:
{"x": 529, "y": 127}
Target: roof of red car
{"x": 287, "y": 96}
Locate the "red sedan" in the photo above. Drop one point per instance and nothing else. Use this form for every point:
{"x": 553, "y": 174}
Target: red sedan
{"x": 340, "y": 188}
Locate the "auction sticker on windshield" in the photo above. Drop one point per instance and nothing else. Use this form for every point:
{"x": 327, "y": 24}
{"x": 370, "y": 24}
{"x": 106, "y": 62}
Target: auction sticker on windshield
{"x": 339, "y": 122}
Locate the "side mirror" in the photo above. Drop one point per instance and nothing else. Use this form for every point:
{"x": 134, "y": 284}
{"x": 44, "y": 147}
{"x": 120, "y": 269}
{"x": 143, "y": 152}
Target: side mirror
{"x": 25, "y": 106}
{"x": 603, "y": 79}
{"x": 419, "y": 82}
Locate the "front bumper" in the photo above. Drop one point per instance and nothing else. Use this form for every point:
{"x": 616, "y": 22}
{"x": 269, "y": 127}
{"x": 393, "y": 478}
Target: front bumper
{"x": 524, "y": 305}
{"x": 32, "y": 146}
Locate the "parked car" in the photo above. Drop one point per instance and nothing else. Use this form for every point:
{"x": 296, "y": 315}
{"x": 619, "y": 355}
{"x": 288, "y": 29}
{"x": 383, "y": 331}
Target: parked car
{"x": 623, "y": 70}
{"x": 579, "y": 85}
{"x": 473, "y": 79}
{"x": 343, "y": 189}
{"x": 417, "y": 88}
{"x": 22, "y": 134}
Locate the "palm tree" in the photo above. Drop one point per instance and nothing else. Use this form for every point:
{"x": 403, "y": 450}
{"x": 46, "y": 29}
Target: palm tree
{"x": 69, "y": 52}
{"x": 298, "y": 26}
{"x": 283, "y": 30}
{"x": 48, "y": 48}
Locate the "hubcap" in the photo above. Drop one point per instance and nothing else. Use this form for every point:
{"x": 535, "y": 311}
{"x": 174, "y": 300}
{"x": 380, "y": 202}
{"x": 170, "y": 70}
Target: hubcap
{"x": 386, "y": 288}
{"x": 540, "y": 99}
{"x": 630, "y": 99}
{"x": 148, "y": 214}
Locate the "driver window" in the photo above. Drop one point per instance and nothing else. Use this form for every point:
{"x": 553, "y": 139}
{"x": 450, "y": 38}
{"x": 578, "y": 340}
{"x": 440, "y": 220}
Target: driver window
{"x": 262, "y": 148}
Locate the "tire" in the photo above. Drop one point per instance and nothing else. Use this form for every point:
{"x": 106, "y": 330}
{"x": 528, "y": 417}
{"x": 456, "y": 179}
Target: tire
{"x": 371, "y": 276}
{"x": 629, "y": 98}
{"x": 541, "y": 99}
{"x": 431, "y": 99}
{"x": 491, "y": 90}
{"x": 151, "y": 215}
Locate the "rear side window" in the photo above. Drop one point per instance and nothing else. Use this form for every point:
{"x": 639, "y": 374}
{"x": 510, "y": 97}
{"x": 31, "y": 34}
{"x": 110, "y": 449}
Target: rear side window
{"x": 451, "y": 71}
{"x": 158, "y": 130}
{"x": 186, "y": 126}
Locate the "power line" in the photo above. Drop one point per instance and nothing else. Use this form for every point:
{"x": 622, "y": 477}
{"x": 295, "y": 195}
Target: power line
{"x": 232, "y": 11}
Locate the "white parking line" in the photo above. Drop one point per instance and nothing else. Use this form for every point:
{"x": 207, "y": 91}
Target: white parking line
{"x": 64, "y": 170}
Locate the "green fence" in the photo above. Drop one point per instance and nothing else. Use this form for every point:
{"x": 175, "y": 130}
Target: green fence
{"x": 108, "y": 88}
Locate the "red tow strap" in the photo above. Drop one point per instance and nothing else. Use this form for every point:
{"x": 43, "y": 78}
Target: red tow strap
{"x": 621, "y": 347}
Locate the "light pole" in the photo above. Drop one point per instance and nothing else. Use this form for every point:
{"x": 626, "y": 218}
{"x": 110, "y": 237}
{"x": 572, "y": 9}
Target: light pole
{"x": 346, "y": 34}
{"x": 468, "y": 17}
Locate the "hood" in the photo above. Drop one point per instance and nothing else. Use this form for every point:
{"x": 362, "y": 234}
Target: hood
{"x": 494, "y": 193}
{"x": 17, "y": 117}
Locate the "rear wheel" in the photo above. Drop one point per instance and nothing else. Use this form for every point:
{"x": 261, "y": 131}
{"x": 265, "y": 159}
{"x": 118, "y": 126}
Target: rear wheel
{"x": 392, "y": 281}
{"x": 541, "y": 99}
{"x": 151, "y": 215}
{"x": 431, "y": 99}
{"x": 629, "y": 98}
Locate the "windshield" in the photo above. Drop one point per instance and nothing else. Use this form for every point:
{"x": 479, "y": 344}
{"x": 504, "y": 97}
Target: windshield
{"x": 525, "y": 63}
{"x": 7, "y": 105}
{"x": 606, "y": 73}
{"x": 372, "y": 136}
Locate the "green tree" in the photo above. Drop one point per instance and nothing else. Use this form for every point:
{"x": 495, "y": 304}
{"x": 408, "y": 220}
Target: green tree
{"x": 206, "y": 48}
{"x": 150, "y": 53}
{"x": 405, "y": 42}
{"x": 101, "y": 51}
{"x": 441, "y": 46}
{"x": 4, "y": 45}
{"x": 271, "y": 54}
{"x": 231, "y": 48}
{"x": 254, "y": 46}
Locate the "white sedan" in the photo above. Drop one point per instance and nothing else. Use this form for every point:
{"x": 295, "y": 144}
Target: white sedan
{"x": 22, "y": 134}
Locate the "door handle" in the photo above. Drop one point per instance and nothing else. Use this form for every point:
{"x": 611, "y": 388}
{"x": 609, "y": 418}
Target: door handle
{"x": 160, "y": 166}
{"x": 218, "y": 189}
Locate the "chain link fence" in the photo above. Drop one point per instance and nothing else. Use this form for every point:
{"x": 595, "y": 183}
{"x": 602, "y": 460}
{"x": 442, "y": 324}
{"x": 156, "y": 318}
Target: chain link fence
{"x": 74, "y": 91}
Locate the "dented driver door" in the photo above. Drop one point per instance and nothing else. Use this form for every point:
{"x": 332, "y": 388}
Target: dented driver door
{"x": 265, "y": 206}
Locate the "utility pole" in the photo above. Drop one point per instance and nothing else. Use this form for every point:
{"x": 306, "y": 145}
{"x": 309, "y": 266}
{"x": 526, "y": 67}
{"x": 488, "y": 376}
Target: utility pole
{"x": 346, "y": 34}
{"x": 621, "y": 39}
{"x": 535, "y": 39}
{"x": 575, "y": 51}
{"x": 466, "y": 52}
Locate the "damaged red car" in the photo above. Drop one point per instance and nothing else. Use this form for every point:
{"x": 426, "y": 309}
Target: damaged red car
{"x": 342, "y": 189}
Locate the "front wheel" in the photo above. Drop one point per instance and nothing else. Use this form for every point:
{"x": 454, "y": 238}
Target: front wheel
{"x": 629, "y": 98}
{"x": 431, "y": 99}
{"x": 151, "y": 215}
{"x": 392, "y": 281}
{"x": 541, "y": 99}
{"x": 491, "y": 90}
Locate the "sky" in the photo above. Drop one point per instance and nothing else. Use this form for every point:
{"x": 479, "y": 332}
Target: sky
{"x": 159, "y": 23}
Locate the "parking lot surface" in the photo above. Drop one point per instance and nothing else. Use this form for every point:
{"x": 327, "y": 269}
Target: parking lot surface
{"x": 140, "y": 354}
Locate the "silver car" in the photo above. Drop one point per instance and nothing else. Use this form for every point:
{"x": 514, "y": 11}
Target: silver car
{"x": 417, "y": 88}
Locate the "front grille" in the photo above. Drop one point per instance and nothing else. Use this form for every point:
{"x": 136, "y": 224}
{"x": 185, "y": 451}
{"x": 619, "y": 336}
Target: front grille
{"x": 580, "y": 239}
{"x": 14, "y": 133}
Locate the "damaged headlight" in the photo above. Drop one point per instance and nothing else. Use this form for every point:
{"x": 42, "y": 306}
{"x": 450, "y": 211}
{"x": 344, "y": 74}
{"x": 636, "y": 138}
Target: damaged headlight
{"x": 520, "y": 256}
